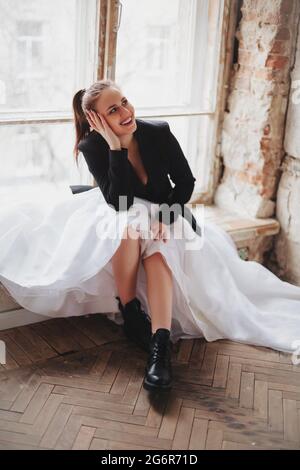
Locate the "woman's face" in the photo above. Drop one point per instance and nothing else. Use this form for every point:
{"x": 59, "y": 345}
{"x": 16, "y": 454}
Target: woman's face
{"x": 116, "y": 109}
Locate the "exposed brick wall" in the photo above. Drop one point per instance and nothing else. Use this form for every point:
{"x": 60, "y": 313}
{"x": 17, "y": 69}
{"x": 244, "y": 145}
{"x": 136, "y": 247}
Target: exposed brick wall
{"x": 254, "y": 121}
{"x": 287, "y": 243}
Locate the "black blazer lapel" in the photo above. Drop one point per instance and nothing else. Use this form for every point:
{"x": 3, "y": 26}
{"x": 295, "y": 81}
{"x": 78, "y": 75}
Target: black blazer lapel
{"x": 151, "y": 148}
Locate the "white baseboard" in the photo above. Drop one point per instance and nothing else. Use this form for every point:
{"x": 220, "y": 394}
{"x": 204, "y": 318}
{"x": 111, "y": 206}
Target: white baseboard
{"x": 19, "y": 317}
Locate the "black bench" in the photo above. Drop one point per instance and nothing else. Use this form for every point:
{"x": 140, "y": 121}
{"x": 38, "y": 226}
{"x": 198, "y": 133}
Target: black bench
{"x": 80, "y": 188}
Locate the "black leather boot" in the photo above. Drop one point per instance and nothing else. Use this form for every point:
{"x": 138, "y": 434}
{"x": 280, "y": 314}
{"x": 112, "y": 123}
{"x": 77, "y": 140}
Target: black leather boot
{"x": 158, "y": 370}
{"x": 137, "y": 325}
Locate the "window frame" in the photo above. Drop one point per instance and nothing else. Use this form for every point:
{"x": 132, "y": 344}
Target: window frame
{"x": 215, "y": 112}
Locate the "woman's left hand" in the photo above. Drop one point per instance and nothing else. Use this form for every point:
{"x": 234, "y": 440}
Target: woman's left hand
{"x": 160, "y": 231}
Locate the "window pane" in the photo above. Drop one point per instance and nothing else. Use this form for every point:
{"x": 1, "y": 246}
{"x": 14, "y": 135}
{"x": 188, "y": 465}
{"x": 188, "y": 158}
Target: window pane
{"x": 47, "y": 53}
{"x": 40, "y": 157}
{"x": 37, "y": 46}
{"x": 162, "y": 48}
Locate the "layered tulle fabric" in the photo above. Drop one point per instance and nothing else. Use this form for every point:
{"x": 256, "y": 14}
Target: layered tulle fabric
{"x": 55, "y": 260}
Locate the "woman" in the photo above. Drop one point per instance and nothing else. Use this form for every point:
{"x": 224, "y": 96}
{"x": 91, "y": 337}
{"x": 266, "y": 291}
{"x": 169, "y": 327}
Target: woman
{"x": 189, "y": 285}
{"x": 113, "y": 155}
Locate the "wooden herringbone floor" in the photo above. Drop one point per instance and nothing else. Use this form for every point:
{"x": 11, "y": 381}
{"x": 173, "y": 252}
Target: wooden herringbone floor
{"x": 76, "y": 383}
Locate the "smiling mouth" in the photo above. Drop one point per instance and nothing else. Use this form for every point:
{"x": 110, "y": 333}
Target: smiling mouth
{"x": 127, "y": 122}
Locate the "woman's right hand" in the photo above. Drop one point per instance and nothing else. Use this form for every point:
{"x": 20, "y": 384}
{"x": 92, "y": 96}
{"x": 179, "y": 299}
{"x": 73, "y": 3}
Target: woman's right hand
{"x": 99, "y": 124}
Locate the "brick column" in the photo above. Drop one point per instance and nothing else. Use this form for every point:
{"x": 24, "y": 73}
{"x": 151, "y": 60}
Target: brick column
{"x": 254, "y": 121}
{"x": 287, "y": 243}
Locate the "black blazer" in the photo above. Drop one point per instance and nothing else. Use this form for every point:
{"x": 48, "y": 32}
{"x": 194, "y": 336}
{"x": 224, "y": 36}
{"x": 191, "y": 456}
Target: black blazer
{"x": 161, "y": 155}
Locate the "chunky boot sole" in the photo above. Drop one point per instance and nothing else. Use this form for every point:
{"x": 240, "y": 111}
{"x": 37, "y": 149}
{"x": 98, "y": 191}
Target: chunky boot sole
{"x": 154, "y": 387}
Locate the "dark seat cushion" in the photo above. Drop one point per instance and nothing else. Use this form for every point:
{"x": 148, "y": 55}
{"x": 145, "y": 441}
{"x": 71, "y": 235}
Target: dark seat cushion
{"x": 79, "y": 188}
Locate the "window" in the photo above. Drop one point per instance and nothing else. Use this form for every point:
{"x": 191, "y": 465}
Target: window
{"x": 49, "y": 52}
{"x": 167, "y": 63}
{"x": 164, "y": 54}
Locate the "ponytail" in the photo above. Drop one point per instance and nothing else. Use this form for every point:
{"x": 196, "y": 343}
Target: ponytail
{"x": 81, "y": 124}
{"x": 82, "y": 101}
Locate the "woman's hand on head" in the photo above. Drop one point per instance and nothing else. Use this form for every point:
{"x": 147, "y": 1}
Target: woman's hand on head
{"x": 160, "y": 231}
{"x": 100, "y": 125}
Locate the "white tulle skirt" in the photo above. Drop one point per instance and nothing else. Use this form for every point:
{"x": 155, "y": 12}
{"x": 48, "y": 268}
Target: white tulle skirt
{"x": 55, "y": 260}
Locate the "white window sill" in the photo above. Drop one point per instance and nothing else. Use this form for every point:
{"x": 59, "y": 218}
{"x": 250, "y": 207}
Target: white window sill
{"x": 245, "y": 231}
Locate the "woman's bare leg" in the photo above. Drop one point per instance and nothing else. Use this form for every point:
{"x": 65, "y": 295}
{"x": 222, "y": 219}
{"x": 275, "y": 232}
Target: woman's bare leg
{"x": 159, "y": 291}
{"x": 125, "y": 263}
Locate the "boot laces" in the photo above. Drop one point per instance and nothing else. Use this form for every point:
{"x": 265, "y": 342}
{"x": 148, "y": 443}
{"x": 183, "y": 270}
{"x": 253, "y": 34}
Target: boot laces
{"x": 160, "y": 353}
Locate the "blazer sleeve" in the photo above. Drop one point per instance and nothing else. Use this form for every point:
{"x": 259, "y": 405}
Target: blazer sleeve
{"x": 112, "y": 174}
{"x": 180, "y": 174}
